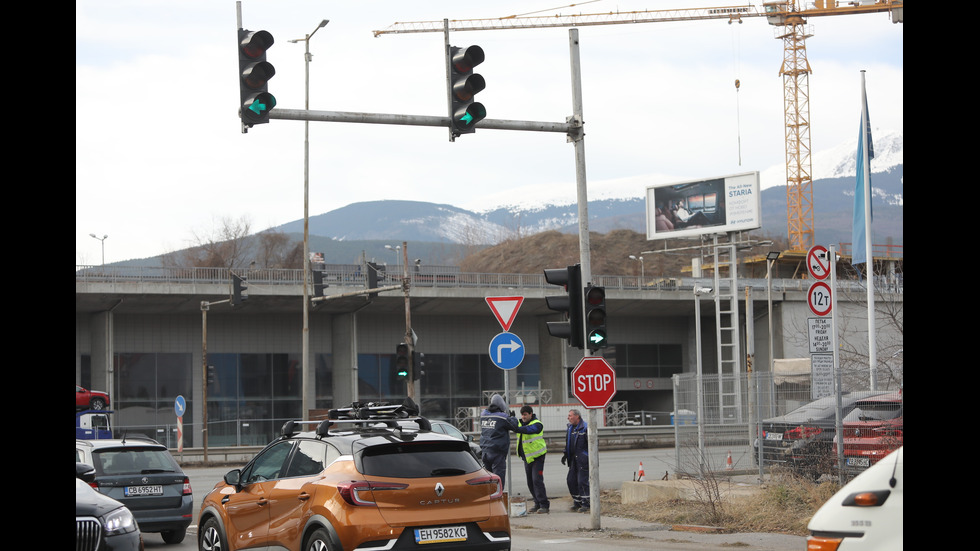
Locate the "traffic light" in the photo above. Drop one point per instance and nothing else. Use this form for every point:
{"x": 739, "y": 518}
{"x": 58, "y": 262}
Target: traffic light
{"x": 318, "y": 285}
{"x": 418, "y": 362}
{"x": 372, "y": 278}
{"x": 463, "y": 86}
{"x": 253, "y": 77}
{"x": 239, "y": 290}
{"x": 595, "y": 316}
{"x": 401, "y": 362}
{"x": 571, "y": 303}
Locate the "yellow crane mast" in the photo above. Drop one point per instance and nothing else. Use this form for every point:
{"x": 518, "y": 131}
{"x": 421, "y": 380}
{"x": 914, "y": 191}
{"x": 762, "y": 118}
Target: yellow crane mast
{"x": 789, "y": 15}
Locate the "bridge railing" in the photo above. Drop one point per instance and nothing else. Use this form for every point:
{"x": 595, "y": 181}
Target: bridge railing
{"x": 345, "y": 275}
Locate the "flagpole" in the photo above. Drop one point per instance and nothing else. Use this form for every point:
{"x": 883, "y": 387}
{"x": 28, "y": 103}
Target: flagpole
{"x": 869, "y": 260}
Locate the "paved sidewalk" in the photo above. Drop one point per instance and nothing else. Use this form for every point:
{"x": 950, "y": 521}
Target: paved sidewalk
{"x": 561, "y": 520}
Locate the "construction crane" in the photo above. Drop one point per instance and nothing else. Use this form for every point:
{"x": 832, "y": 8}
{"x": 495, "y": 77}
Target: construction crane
{"x": 789, "y": 15}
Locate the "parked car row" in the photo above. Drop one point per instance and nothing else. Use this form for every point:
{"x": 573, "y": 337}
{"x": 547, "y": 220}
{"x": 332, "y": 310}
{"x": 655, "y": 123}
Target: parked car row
{"x": 803, "y": 439}
{"x": 141, "y": 474}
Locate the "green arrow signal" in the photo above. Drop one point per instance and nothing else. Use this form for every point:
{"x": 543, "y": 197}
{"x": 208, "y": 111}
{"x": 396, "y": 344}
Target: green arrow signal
{"x": 467, "y": 118}
{"x": 597, "y": 337}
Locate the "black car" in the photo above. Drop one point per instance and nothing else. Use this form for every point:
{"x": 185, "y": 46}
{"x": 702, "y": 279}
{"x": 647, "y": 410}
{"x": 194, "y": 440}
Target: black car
{"x": 802, "y": 440}
{"x": 141, "y": 474}
{"x": 101, "y": 523}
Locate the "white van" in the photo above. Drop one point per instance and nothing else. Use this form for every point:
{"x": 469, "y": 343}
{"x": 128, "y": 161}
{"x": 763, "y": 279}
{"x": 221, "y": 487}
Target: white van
{"x": 867, "y": 513}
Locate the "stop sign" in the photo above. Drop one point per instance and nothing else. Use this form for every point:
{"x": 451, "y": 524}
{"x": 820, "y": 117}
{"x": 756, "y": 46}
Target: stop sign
{"x": 593, "y": 382}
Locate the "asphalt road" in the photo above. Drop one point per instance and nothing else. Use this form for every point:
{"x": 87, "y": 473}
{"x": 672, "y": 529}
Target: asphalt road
{"x": 561, "y": 529}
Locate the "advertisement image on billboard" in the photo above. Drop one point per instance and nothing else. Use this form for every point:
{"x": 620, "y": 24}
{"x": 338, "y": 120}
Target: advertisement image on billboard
{"x": 699, "y": 207}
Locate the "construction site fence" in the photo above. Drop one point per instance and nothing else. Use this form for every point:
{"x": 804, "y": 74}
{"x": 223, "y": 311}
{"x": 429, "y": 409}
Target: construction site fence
{"x": 734, "y": 408}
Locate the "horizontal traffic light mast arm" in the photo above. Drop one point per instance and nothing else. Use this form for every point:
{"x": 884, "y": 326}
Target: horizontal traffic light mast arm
{"x": 418, "y": 120}
{"x": 362, "y": 292}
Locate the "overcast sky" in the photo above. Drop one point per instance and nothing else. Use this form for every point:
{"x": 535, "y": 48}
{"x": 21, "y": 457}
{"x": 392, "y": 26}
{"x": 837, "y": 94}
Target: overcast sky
{"x": 160, "y": 155}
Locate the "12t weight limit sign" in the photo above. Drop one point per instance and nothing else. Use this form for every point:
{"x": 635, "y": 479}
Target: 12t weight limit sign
{"x": 819, "y": 298}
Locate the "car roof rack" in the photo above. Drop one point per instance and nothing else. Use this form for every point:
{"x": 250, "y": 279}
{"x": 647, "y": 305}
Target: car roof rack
{"x": 370, "y": 417}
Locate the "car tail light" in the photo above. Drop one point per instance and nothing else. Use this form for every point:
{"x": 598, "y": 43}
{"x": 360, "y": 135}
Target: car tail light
{"x": 186, "y": 490}
{"x": 352, "y": 491}
{"x": 802, "y": 433}
{"x": 489, "y": 479}
{"x": 817, "y": 543}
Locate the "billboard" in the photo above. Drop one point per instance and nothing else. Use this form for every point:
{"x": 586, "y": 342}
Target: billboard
{"x": 699, "y": 207}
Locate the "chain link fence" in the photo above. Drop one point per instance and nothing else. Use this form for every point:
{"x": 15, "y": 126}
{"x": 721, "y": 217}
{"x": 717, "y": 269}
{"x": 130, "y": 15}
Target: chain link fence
{"x": 721, "y": 427}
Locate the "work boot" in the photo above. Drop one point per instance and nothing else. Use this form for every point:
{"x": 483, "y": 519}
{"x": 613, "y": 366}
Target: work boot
{"x": 534, "y": 509}
{"x": 583, "y": 509}
{"x": 576, "y": 507}
{"x": 543, "y": 511}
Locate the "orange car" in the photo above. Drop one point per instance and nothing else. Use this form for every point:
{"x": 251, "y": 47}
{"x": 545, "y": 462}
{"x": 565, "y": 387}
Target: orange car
{"x": 360, "y": 480}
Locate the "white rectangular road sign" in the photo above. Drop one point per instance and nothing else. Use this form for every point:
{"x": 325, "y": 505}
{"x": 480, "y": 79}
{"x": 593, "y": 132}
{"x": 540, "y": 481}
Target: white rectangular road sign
{"x": 821, "y": 338}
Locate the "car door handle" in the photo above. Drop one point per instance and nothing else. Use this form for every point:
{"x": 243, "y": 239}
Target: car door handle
{"x": 304, "y": 496}
{"x": 263, "y": 501}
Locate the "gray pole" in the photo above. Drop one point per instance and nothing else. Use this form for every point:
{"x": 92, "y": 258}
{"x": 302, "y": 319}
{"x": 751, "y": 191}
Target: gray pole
{"x": 307, "y": 374}
{"x": 578, "y": 137}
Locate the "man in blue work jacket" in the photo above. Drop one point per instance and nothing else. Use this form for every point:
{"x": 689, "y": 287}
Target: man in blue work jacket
{"x": 495, "y": 427}
{"x": 577, "y": 458}
{"x": 532, "y": 448}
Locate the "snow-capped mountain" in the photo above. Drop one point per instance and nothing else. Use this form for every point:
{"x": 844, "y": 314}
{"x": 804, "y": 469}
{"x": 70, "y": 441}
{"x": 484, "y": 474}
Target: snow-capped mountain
{"x": 618, "y": 205}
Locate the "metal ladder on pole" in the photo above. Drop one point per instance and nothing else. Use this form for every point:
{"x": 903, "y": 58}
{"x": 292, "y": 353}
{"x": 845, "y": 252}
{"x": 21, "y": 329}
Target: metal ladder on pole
{"x": 727, "y": 338}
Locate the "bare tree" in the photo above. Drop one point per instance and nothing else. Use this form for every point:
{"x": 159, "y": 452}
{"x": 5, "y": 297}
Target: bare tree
{"x": 225, "y": 245}
{"x": 276, "y": 250}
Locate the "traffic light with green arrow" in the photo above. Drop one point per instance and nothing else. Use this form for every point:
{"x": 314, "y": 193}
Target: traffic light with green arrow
{"x": 402, "y": 361}
{"x": 595, "y": 317}
{"x": 253, "y": 77}
{"x": 464, "y": 84}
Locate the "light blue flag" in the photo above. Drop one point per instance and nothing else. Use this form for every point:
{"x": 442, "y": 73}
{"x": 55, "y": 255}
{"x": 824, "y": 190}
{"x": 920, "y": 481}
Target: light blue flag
{"x": 862, "y": 188}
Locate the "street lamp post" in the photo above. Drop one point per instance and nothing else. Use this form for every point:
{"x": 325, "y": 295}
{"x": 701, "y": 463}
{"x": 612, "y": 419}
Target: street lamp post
{"x": 771, "y": 257}
{"x": 307, "y": 375}
{"x": 102, "y": 239}
{"x": 698, "y": 291}
{"x": 395, "y": 250}
{"x": 639, "y": 258}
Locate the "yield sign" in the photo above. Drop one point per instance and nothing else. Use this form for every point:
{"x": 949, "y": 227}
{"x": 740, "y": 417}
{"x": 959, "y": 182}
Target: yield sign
{"x": 505, "y": 309}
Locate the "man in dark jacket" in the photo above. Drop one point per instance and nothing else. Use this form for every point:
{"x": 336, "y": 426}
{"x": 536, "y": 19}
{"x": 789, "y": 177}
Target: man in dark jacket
{"x": 532, "y": 448}
{"x": 495, "y": 427}
{"x": 577, "y": 458}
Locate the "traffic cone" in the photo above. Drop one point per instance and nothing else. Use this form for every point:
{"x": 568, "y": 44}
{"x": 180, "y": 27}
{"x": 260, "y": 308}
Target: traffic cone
{"x": 728, "y": 463}
{"x": 642, "y": 474}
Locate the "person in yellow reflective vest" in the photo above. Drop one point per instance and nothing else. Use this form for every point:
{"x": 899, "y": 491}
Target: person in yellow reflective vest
{"x": 532, "y": 448}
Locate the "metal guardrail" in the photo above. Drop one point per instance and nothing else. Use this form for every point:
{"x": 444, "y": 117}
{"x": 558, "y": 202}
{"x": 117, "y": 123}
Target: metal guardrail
{"x": 351, "y": 275}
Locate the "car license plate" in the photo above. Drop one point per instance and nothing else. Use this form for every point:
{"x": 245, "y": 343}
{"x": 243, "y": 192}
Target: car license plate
{"x": 440, "y": 535}
{"x": 858, "y": 462}
{"x": 134, "y": 491}
{"x": 774, "y": 436}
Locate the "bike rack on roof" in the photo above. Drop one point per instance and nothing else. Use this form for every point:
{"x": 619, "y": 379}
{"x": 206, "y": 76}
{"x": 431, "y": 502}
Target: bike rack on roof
{"x": 364, "y": 417}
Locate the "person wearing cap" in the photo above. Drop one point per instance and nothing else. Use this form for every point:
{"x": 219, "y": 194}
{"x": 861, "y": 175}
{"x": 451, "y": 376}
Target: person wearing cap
{"x": 495, "y": 427}
{"x": 531, "y": 447}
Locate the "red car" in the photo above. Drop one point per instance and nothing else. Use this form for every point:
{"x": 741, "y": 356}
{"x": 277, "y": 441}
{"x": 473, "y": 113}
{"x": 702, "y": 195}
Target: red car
{"x": 90, "y": 399}
{"x": 872, "y": 430}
